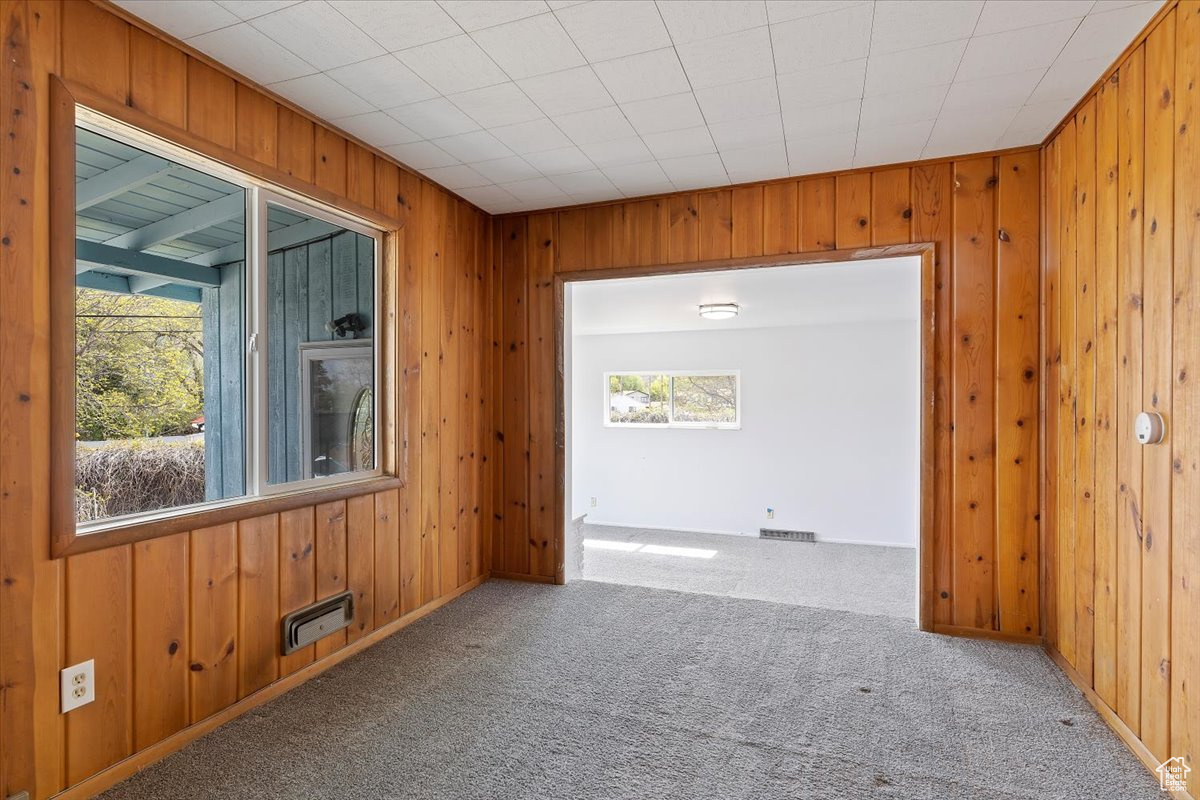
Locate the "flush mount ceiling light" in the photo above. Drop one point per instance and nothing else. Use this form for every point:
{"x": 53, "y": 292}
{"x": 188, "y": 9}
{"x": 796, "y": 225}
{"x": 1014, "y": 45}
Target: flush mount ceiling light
{"x": 719, "y": 310}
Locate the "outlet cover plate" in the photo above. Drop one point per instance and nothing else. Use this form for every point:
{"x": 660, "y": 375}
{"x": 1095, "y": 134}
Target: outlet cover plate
{"x": 78, "y": 685}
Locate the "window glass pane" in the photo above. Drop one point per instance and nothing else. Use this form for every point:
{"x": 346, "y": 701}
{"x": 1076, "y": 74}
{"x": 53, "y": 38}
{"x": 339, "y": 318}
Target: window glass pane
{"x": 705, "y": 398}
{"x": 320, "y": 348}
{"x": 638, "y": 399}
{"x": 159, "y": 348}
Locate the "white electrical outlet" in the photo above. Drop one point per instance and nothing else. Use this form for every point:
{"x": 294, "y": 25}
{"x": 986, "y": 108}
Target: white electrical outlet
{"x": 594, "y": 502}
{"x": 78, "y": 685}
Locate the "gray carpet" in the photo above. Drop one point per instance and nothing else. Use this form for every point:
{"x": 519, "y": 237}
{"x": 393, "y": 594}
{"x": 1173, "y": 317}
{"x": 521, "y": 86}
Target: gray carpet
{"x": 602, "y": 691}
{"x": 849, "y": 577}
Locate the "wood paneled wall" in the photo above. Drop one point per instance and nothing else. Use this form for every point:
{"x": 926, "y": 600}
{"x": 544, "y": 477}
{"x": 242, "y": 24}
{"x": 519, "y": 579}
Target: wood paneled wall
{"x": 982, "y": 214}
{"x": 1122, "y": 221}
{"x": 185, "y": 626}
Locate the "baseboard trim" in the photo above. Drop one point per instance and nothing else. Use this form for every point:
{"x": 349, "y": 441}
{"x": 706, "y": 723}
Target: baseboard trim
{"x": 524, "y": 577}
{"x": 983, "y": 633}
{"x": 741, "y": 534}
{"x": 111, "y": 776}
{"x": 1123, "y": 731}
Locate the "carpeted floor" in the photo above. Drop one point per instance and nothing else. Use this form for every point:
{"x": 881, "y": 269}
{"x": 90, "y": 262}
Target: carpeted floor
{"x": 602, "y": 691}
{"x": 849, "y": 577}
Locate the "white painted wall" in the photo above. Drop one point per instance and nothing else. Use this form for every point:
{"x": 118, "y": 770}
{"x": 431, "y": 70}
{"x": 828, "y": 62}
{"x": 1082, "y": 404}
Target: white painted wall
{"x": 829, "y": 436}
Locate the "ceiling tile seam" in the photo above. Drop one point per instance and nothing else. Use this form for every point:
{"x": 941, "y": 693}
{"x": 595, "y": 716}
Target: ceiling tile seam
{"x": 778, "y": 94}
{"x": 1033, "y": 91}
{"x": 953, "y": 78}
{"x": 866, "y": 67}
{"x": 692, "y": 89}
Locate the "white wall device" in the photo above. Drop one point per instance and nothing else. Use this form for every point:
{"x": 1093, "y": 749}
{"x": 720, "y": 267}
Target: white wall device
{"x": 1149, "y": 427}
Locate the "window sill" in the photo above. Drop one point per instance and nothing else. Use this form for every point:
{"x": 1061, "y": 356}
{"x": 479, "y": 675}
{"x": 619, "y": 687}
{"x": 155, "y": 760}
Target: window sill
{"x": 72, "y": 543}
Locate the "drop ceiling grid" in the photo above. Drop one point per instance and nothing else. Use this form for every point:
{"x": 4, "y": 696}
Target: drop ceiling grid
{"x": 519, "y": 104}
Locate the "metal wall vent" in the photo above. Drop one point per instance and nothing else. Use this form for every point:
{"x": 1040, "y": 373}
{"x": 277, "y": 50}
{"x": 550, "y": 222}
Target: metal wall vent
{"x": 787, "y": 536}
{"x": 306, "y": 625}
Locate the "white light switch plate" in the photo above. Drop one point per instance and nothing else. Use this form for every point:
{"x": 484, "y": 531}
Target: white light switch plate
{"x": 78, "y": 685}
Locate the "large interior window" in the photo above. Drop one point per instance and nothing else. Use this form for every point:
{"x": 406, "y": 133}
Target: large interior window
{"x": 224, "y": 335}
{"x": 673, "y": 399}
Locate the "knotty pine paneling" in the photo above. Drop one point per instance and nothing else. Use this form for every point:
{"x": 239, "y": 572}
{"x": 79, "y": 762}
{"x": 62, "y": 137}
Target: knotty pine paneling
{"x": 183, "y": 627}
{"x": 982, "y": 214}
{"x": 1125, "y": 564}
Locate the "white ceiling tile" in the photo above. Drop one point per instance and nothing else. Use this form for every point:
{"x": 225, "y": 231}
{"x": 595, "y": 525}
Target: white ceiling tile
{"x": 913, "y": 69}
{"x": 315, "y": 29}
{"x": 505, "y": 170}
{"x": 252, "y": 53}
{"x": 459, "y": 176}
{"x": 420, "y": 155}
{"x": 474, "y": 146}
{"x": 616, "y": 152}
{"x": 489, "y": 198}
{"x": 434, "y": 118}
{"x": 607, "y": 29}
{"x": 728, "y": 58}
{"x": 751, "y": 132}
{"x": 473, "y": 15}
{"x": 532, "y": 136}
{"x": 559, "y": 161}
{"x": 784, "y": 10}
{"x": 249, "y": 9}
{"x": 567, "y": 92}
{"x": 968, "y": 132}
{"x": 1014, "y": 51}
{"x": 821, "y": 86}
{"x": 536, "y": 190}
{"x": 891, "y": 144}
{"x": 767, "y": 162}
{"x": 825, "y": 39}
{"x": 654, "y": 74}
{"x": 1041, "y": 117}
{"x": 453, "y": 65}
{"x": 377, "y": 128}
{"x": 691, "y": 22}
{"x": 999, "y": 90}
{"x": 494, "y": 106}
{"x": 809, "y": 123}
{"x": 322, "y": 95}
{"x": 399, "y": 26}
{"x": 1067, "y": 81}
{"x": 678, "y": 144}
{"x": 557, "y": 5}
{"x": 596, "y": 196}
{"x": 181, "y": 18}
{"x": 905, "y": 24}
{"x": 528, "y": 47}
{"x": 704, "y": 169}
{"x": 639, "y": 179}
{"x": 902, "y": 108}
{"x": 822, "y": 154}
{"x": 586, "y": 182}
{"x": 384, "y": 82}
{"x": 1105, "y": 35}
{"x": 661, "y": 114}
{"x": 600, "y": 125}
{"x": 1009, "y": 15}
{"x": 730, "y": 101}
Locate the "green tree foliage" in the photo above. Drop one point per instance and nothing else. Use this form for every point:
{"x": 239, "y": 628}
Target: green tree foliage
{"x": 139, "y": 365}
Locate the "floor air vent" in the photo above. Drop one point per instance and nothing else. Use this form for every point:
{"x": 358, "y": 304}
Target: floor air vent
{"x": 787, "y": 536}
{"x": 306, "y": 625}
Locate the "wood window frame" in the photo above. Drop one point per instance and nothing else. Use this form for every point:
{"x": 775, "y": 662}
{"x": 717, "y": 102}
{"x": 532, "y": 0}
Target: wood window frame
{"x": 926, "y": 251}
{"x": 65, "y": 98}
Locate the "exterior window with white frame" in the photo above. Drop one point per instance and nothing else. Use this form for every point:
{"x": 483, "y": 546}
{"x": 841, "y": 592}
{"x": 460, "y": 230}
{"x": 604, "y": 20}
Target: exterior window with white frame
{"x": 224, "y": 334}
{"x": 673, "y": 399}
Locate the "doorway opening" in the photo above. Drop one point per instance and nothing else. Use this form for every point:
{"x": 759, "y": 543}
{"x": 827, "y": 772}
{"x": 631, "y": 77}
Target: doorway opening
{"x": 754, "y": 432}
